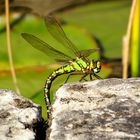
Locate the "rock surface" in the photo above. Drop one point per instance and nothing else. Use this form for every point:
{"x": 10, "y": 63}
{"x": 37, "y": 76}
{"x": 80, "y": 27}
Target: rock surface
{"x": 18, "y": 117}
{"x": 106, "y": 109}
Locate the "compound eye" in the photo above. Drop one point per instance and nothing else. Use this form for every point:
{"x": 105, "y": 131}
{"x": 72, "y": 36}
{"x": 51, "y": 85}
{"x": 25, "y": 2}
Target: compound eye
{"x": 98, "y": 64}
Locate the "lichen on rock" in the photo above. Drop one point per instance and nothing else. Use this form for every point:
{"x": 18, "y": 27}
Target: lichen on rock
{"x": 99, "y": 110}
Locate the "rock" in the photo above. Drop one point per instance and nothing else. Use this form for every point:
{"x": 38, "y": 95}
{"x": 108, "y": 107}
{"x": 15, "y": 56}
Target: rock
{"x": 106, "y": 109}
{"x": 19, "y": 117}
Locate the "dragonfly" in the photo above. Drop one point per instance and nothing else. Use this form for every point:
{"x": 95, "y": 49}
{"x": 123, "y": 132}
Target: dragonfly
{"x": 78, "y": 64}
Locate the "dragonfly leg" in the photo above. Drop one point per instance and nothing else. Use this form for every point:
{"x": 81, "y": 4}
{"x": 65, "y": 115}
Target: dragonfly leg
{"x": 68, "y": 78}
{"x": 98, "y": 77}
{"x": 91, "y": 77}
{"x": 83, "y": 78}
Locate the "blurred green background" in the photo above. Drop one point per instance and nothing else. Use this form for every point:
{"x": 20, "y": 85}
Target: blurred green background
{"x": 107, "y": 20}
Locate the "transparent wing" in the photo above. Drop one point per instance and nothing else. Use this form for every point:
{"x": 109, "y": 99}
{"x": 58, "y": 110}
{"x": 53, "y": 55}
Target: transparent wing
{"x": 87, "y": 52}
{"x": 44, "y": 47}
{"x": 57, "y": 32}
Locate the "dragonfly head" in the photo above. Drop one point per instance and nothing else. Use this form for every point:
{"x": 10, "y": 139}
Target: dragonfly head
{"x": 96, "y": 66}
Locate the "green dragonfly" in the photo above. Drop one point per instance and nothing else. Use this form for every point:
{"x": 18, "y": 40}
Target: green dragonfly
{"x": 78, "y": 65}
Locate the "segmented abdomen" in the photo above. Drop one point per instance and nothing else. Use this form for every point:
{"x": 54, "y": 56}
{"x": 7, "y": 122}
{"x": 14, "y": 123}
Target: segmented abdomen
{"x": 78, "y": 65}
{"x": 63, "y": 70}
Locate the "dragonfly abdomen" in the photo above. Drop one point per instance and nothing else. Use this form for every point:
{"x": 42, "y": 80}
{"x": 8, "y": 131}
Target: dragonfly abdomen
{"x": 62, "y": 70}
{"x": 78, "y": 65}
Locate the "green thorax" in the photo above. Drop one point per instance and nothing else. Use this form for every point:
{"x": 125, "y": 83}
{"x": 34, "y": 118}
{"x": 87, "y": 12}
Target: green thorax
{"x": 78, "y": 65}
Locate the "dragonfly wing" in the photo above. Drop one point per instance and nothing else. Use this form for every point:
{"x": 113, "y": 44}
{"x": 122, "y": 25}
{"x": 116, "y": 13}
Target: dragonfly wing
{"x": 44, "y": 47}
{"x": 57, "y": 32}
{"x": 62, "y": 61}
{"x": 87, "y": 52}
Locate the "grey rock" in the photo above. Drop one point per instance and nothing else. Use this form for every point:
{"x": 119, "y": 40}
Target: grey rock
{"x": 18, "y": 116}
{"x": 106, "y": 109}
